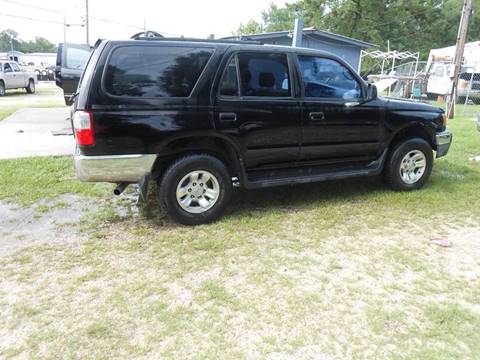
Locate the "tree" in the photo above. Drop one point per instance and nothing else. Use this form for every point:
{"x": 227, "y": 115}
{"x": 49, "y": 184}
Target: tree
{"x": 9, "y": 39}
{"x": 40, "y": 44}
{"x": 413, "y": 25}
{"x": 251, "y": 27}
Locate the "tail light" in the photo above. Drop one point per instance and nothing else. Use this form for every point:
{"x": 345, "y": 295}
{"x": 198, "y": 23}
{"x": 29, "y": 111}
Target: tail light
{"x": 83, "y": 126}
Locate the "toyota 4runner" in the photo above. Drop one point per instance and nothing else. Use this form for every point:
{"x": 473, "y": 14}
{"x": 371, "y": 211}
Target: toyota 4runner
{"x": 202, "y": 117}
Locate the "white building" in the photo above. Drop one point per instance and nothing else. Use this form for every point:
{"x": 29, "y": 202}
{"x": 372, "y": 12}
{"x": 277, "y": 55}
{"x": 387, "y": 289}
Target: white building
{"x": 37, "y": 59}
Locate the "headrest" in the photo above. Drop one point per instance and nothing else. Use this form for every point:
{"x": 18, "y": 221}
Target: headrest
{"x": 266, "y": 79}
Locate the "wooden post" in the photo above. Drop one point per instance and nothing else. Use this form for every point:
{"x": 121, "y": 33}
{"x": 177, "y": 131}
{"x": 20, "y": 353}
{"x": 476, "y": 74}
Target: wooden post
{"x": 461, "y": 38}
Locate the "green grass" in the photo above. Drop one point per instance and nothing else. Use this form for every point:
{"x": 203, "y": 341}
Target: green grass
{"x": 8, "y": 110}
{"x": 45, "y": 97}
{"x": 331, "y": 270}
{"x": 28, "y": 180}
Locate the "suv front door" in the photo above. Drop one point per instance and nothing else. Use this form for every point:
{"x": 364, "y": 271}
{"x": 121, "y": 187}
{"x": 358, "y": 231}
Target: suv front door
{"x": 9, "y": 76}
{"x": 256, "y": 105}
{"x": 339, "y": 127}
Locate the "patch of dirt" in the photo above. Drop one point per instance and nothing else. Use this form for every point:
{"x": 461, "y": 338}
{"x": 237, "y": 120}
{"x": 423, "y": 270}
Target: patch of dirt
{"x": 22, "y": 227}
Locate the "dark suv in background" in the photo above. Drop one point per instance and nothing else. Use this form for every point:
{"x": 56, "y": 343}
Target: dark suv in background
{"x": 200, "y": 117}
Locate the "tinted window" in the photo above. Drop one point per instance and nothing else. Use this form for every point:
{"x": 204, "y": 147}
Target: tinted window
{"x": 264, "y": 74}
{"x": 155, "y": 71}
{"x": 229, "y": 83}
{"x": 76, "y": 58}
{"x": 7, "y": 68}
{"x": 325, "y": 78}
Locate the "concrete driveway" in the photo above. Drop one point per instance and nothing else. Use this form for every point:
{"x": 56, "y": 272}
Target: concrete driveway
{"x": 30, "y": 132}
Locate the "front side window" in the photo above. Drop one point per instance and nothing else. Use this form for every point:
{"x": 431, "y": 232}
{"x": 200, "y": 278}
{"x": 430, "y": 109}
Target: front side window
{"x": 264, "y": 74}
{"x": 155, "y": 71}
{"x": 7, "y": 68}
{"x": 16, "y": 68}
{"x": 326, "y": 78}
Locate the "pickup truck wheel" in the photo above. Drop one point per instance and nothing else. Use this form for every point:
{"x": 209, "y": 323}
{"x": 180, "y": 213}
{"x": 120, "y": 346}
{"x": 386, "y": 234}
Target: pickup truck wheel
{"x": 195, "y": 189}
{"x": 409, "y": 165}
{"x": 2, "y": 88}
{"x": 31, "y": 87}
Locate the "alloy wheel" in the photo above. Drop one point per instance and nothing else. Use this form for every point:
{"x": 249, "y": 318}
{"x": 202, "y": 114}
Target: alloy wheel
{"x": 412, "y": 166}
{"x": 197, "y": 191}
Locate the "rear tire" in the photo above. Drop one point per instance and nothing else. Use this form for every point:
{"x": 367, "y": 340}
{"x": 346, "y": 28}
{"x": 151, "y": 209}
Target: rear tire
{"x": 195, "y": 189}
{"x": 409, "y": 165}
{"x": 2, "y": 88}
{"x": 31, "y": 87}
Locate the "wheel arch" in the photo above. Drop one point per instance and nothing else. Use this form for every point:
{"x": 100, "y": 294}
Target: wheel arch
{"x": 411, "y": 131}
{"x": 216, "y": 145}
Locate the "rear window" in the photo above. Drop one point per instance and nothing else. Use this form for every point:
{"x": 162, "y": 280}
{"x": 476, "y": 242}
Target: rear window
{"x": 154, "y": 71}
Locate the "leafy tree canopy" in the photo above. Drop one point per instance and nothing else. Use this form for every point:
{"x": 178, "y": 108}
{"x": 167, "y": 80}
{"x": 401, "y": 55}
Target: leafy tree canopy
{"x": 9, "y": 38}
{"x": 409, "y": 25}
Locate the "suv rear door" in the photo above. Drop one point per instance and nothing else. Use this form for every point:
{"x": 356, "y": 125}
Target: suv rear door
{"x": 255, "y": 104}
{"x": 71, "y": 60}
{"x": 19, "y": 75}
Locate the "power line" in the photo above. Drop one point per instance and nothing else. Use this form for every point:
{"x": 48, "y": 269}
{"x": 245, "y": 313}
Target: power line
{"x": 63, "y": 14}
{"x": 34, "y": 7}
{"x": 32, "y": 19}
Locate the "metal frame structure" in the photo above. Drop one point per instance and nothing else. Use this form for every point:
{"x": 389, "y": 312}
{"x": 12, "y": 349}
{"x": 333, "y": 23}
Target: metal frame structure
{"x": 392, "y": 56}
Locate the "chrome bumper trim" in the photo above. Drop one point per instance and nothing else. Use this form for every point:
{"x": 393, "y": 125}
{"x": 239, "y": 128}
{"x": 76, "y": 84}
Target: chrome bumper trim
{"x": 113, "y": 168}
{"x": 443, "y": 140}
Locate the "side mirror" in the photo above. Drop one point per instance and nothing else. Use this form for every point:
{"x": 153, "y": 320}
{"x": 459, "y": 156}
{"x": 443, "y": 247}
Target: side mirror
{"x": 372, "y": 92}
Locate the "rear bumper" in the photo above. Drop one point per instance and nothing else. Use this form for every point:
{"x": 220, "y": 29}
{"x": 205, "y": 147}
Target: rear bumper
{"x": 478, "y": 122}
{"x": 443, "y": 140}
{"x": 113, "y": 168}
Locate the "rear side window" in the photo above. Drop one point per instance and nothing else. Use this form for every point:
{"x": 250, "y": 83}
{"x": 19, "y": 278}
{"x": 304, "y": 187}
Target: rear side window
{"x": 264, "y": 74}
{"x": 229, "y": 83}
{"x": 154, "y": 71}
{"x": 76, "y": 58}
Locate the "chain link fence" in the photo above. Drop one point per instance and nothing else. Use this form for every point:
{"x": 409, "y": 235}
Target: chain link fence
{"x": 432, "y": 82}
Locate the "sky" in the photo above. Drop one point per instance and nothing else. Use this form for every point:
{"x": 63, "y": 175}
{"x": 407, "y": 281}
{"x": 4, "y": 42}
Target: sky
{"x": 191, "y": 18}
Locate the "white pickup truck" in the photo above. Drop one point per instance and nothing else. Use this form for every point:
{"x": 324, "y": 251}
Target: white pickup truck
{"x": 12, "y": 76}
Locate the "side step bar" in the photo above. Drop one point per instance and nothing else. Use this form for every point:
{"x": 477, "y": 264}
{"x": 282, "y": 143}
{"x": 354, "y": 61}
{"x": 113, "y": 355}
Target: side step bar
{"x": 300, "y": 176}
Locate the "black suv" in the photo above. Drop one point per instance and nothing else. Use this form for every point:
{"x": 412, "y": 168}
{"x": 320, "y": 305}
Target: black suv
{"x": 202, "y": 117}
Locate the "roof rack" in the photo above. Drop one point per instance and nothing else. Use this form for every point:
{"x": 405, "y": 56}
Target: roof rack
{"x": 220, "y": 41}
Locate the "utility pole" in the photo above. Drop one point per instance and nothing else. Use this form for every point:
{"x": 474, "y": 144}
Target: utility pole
{"x": 86, "y": 22}
{"x": 64, "y": 30}
{"x": 460, "y": 47}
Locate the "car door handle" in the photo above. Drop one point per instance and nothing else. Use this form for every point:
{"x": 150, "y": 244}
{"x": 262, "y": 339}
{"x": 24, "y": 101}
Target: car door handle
{"x": 352, "y": 103}
{"x": 316, "y": 116}
{"x": 228, "y": 116}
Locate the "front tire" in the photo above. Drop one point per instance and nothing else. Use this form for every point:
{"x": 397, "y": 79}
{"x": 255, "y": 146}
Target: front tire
{"x": 2, "y": 88}
{"x": 31, "y": 87}
{"x": 409, "y": 165}
{"x": 195, "y": 189}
